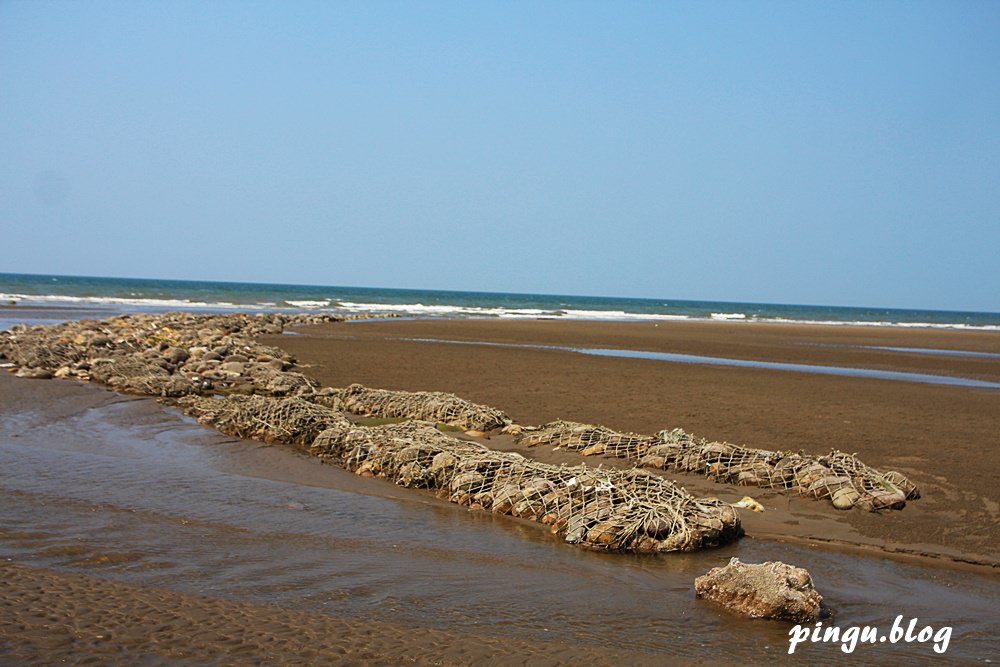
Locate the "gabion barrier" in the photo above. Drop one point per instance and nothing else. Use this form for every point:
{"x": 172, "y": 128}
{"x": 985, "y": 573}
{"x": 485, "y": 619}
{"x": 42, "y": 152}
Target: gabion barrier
{"x": 841, "y": 477}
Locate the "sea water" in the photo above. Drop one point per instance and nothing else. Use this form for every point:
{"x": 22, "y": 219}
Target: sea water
{"x": 130, "y": 294}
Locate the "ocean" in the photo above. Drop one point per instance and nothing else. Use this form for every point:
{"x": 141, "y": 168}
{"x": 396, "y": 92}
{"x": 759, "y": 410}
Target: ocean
{"x": 113, "y": 295}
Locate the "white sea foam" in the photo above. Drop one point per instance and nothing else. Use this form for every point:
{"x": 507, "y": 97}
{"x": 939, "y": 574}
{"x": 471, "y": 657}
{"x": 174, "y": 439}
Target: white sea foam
{"x": 308, "y": 305}
{"x": 446, "y": 310}
{"x": 619, "y": 315}
{"x": 443, "y": 310}
{"x": 884, "y": 323}
{"x": 60, "y": 299}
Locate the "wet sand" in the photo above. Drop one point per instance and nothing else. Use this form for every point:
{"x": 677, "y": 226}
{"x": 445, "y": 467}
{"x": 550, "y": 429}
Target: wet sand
{"x": 132, "y": 535}
{"x": 46, "y": 613}
{"x": 48, "y": 617}
{"x": 945, "y": 438}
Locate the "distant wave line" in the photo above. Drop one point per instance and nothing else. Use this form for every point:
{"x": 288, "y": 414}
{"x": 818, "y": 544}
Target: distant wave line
{"x": 334, "y": 305}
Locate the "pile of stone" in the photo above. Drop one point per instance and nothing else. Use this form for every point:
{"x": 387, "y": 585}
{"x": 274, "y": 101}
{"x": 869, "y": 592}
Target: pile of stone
{"x": 771, "y": 590}
{"x": 187, "y": 354}
{"x": 621, "y": 510}
{"x": 842, "y": 478}
{"x": 587, "y": 439}
{"x": 433, "y": 406}
{"x": 291, "y": 420}
{"x": 168, "y": 355}
{"x": 625, "y": 510}
{"x": 213, "y": 368}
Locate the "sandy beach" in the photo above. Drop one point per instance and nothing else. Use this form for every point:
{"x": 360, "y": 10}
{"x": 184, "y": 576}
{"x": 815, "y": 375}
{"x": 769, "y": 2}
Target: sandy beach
{"x": 132, "y": 534}
{"x": 48, "y": 617}
{"x": 947, "y": 439}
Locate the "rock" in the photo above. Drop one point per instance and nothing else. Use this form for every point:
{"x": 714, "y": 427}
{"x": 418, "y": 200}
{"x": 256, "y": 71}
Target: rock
{"x": 102, "y": 341}
{"x": 882, "y": 500}
{"x": 652, "y": 461}
{"x": 466, "y": 482}
{"x": 505, "y": 497}
{"x": 419, "y": 453}
{"x": 35, "y": 373}
{"x": 443, "y": 460}
{"x": 236, "y": 367}
{"x": 603, "y": 533}
{"x": 766, "y": 590}
{"x": 175, "y": 355}
{"x": 845, "y": 498}
{"x": 512, "y": 429}
{"x": 903, "y": 484}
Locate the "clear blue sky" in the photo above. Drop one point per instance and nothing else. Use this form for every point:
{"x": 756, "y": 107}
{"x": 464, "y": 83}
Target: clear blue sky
{"x": 798, "y": 152}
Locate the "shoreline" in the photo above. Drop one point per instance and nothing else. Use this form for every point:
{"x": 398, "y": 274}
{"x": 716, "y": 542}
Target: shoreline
{"x": 418, "y": 311}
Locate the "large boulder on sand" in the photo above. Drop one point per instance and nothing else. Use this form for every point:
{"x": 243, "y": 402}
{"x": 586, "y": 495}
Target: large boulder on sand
{"x": 765, "y": 590}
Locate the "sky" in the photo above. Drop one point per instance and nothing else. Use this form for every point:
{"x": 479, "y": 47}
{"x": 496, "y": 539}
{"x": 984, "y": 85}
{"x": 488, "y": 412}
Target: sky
{"x": 838, "y": 153}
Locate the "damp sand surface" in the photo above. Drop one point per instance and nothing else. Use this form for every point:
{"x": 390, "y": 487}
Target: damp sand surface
{"x": 944, "y": 438}
{"x": 131, "y": 534}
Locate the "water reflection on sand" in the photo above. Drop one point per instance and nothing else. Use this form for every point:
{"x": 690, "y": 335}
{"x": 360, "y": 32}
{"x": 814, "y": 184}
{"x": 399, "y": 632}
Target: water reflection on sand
{"x": 126, "y": 489}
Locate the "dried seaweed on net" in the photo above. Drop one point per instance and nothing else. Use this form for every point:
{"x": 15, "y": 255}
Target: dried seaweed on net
{"x": 841, "y": 477}
{"x": 424, "y": 405}
{"x": 293, "y": 421}
{"x": 626, "y": 510}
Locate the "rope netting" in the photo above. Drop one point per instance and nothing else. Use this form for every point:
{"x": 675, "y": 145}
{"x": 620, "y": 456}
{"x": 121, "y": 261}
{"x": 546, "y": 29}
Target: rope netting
{"x": 424, "y": 405}
{"x": 841, "y": 477}
{"x": 291, "y": 421}
{"x": 626, "y": 510}
{"x": 201, "y": 356}
{"x": 587, "y": 439}
{"x": 131, "y": 375}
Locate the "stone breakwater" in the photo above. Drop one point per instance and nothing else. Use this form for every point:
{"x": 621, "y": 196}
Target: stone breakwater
{"x": 170, "y": 355}
{"x": 211, "y": 366}
{"x": 840, "y": 477}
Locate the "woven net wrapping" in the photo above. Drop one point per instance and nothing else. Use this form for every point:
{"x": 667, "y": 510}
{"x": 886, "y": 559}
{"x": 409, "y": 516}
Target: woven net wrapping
{"x": 39, "y": 347}
{"x": 588, "y": 439}
{"x": 293, "y": 421}
{"x": 423, "y": 405}
{"x": 625, "y": 510}
{"x": 132, "y": 375}
{"x": 841, "y": 477}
